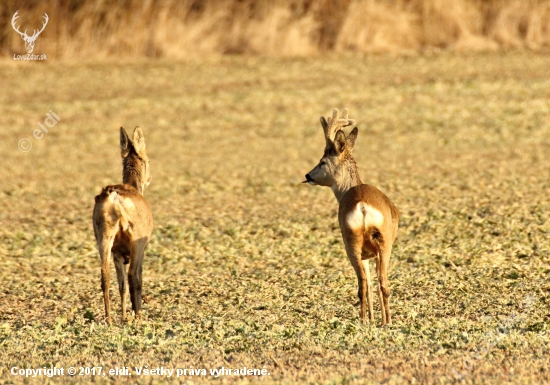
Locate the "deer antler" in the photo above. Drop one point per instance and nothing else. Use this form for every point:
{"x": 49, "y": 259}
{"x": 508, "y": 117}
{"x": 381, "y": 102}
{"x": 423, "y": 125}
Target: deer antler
{"x": 15, "y": 17}
{"x": 332, "y": 125}
{"x": 24, "y": 34}
{"x": 44, "y": 23}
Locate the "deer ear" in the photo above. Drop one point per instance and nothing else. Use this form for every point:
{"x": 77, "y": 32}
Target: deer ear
{"x": 340, "y": 142}
{"x": 138, "y": 140}
{"x": 351, "y": 138}
{"x": 124, "y": 143}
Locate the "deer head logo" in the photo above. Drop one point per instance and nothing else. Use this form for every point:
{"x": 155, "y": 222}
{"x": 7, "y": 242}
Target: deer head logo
{"x": 29, "y": 40}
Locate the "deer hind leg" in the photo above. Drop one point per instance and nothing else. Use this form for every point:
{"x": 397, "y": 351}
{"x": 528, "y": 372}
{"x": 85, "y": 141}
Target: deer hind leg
{"x": 105, "y": 243}
{"x": 383, "y": 283}
{"x": 369, "y": 288}
{"x": 353, "y": 250}
{"x": 133, "y": 281}
{"x": 122, "y": 287}
{"x": 134, "y": 276}
{"x": 379, "y": 291}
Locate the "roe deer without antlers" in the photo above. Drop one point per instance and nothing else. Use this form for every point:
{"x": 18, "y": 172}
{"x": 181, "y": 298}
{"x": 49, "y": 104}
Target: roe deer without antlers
{"x": 368, "y": 220}
{"x": 123, "y": 223}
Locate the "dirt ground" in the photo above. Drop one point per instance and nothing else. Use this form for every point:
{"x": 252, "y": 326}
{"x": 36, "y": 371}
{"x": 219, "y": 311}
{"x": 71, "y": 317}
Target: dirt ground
{"x": 246, "y": 267}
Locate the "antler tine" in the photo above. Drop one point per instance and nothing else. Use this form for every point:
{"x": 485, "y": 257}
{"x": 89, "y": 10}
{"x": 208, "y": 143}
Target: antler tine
{"x": 335, "y": 123}
{"x": 44, "y": 23}
{"x": 13, "y": 19}
{"x": 350, "y": 122}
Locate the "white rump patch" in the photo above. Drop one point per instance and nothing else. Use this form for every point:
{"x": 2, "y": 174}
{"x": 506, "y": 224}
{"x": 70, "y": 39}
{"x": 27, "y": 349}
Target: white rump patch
{"x": 371, "y": 217}
{"x": 128, "y": 205}
{"x": 125, "y": 203}
{"x": 114, "y": 197}
{"x": 120, "y": 209}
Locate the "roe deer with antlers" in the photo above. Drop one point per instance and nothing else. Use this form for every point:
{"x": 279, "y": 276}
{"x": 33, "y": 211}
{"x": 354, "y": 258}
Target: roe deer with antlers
{"x": 123, "y": 223}
{"x": 368, "y": 220}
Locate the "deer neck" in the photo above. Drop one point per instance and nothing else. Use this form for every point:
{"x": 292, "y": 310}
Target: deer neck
{"x": 350, "y": 179}
{"x": 131, "y": 174}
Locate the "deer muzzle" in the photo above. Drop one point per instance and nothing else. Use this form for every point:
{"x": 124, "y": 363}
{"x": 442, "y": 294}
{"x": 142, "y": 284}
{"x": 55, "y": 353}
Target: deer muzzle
{"x": 309, "y": 180}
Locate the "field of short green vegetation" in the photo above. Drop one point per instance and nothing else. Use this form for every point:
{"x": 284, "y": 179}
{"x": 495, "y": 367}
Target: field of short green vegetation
{"x": 246, "y": 267}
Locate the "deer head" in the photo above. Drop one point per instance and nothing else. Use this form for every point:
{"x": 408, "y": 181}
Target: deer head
{"x": 29, "y": 40}
{"x": 337, "y": 168}
{"x": 135, "y": 162}
{"x": 337, "y": 152}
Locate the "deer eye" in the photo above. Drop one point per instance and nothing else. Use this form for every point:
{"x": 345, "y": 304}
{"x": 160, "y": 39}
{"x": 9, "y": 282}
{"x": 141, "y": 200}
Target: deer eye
{"x": 322, "y": 163}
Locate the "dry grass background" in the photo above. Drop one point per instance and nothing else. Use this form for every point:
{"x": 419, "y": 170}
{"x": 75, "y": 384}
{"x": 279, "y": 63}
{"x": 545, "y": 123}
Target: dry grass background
{"x": 193, "y": 28}
{"x": 246, "y": 266}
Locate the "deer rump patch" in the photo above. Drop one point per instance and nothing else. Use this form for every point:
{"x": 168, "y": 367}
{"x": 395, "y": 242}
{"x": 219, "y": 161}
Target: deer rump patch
{"x": 115, "y": 207}
{"x": 364, "y": 216}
